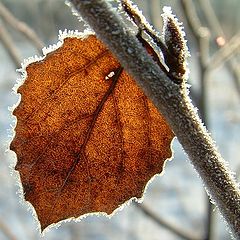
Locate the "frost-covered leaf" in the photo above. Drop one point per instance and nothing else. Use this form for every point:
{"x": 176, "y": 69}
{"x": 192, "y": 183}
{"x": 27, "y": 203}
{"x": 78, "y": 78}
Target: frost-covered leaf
{"x": 87, "y": 138}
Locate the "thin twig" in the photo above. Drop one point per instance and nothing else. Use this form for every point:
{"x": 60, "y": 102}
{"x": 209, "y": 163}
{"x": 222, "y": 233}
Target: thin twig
{"x": 21, "y": 27}
{"x": 6, "y": 230}
{"x": 154, "y": 10}
{"x": 163, "y": 223}
{"x": 217, "y": 29}
{"x": 224, "y": 53}
{"x": 201, "y": 35}
{"x": 173, "y": 102}
{"x": 211, "y": 17}
{"x": 150, "y": 12}
{"x": 9, "y": 45}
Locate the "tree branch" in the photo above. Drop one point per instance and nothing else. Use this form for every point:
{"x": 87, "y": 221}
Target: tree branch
{"x": 173, "y": 102}
{"x": 177, "y": 231}
{"x": 21, "y": 27}
{"x": 9, "y": 45}
{"x": 7, "y": 231}
{"x": 224, "y": 53}
{"x": 216, "y": 28}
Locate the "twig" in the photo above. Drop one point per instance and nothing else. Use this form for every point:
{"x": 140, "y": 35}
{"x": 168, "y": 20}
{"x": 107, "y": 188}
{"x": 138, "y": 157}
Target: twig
{"x": 216, "y": 27}
{"x": 153, "y": 12}
{"x": 10, "y": 46}
{"x": 192, "y": 18}
{"x": 173, "y": 102}
{"x": 164, "y": 224}
{"x": 201, "y": 35}
{"x": 21, "y": 27}
{"x": 150, "y": 12}
{"x": 7, "y": 231}
{"x": 211, "y": 17}
{"x": 235, "y": 67}
{"x": 224, "y": 53}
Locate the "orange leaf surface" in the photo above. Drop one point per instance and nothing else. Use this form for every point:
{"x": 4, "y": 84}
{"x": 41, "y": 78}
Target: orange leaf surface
{"x": 86, "y": 141}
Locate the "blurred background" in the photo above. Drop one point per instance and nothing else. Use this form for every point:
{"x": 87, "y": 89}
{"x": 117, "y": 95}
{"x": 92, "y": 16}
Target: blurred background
{"x": 175, "y": 204}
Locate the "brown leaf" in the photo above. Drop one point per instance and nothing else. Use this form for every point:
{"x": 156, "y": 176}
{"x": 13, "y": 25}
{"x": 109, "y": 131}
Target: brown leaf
{"x": 86, "y": 141}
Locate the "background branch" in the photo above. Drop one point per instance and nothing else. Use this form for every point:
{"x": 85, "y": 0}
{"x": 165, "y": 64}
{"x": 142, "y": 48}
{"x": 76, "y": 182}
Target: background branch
{"x": 211, "y": 17}
{"x": 216, "y": 28}
{"x": 179, "y": 232}
{"x": 225, "y": 53}
{"x": 9, "y": 45}
{"x": 172, "y": 101}
{"x": 6, "y": 230}
{"x": 21, "y": 27}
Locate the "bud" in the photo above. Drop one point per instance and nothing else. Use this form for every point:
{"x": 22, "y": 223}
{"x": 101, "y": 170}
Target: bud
{"x": 173, "y": 37}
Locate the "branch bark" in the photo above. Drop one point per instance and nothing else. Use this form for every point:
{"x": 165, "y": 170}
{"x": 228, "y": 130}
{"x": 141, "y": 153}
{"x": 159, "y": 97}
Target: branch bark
{"x": 173, "y": 102}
